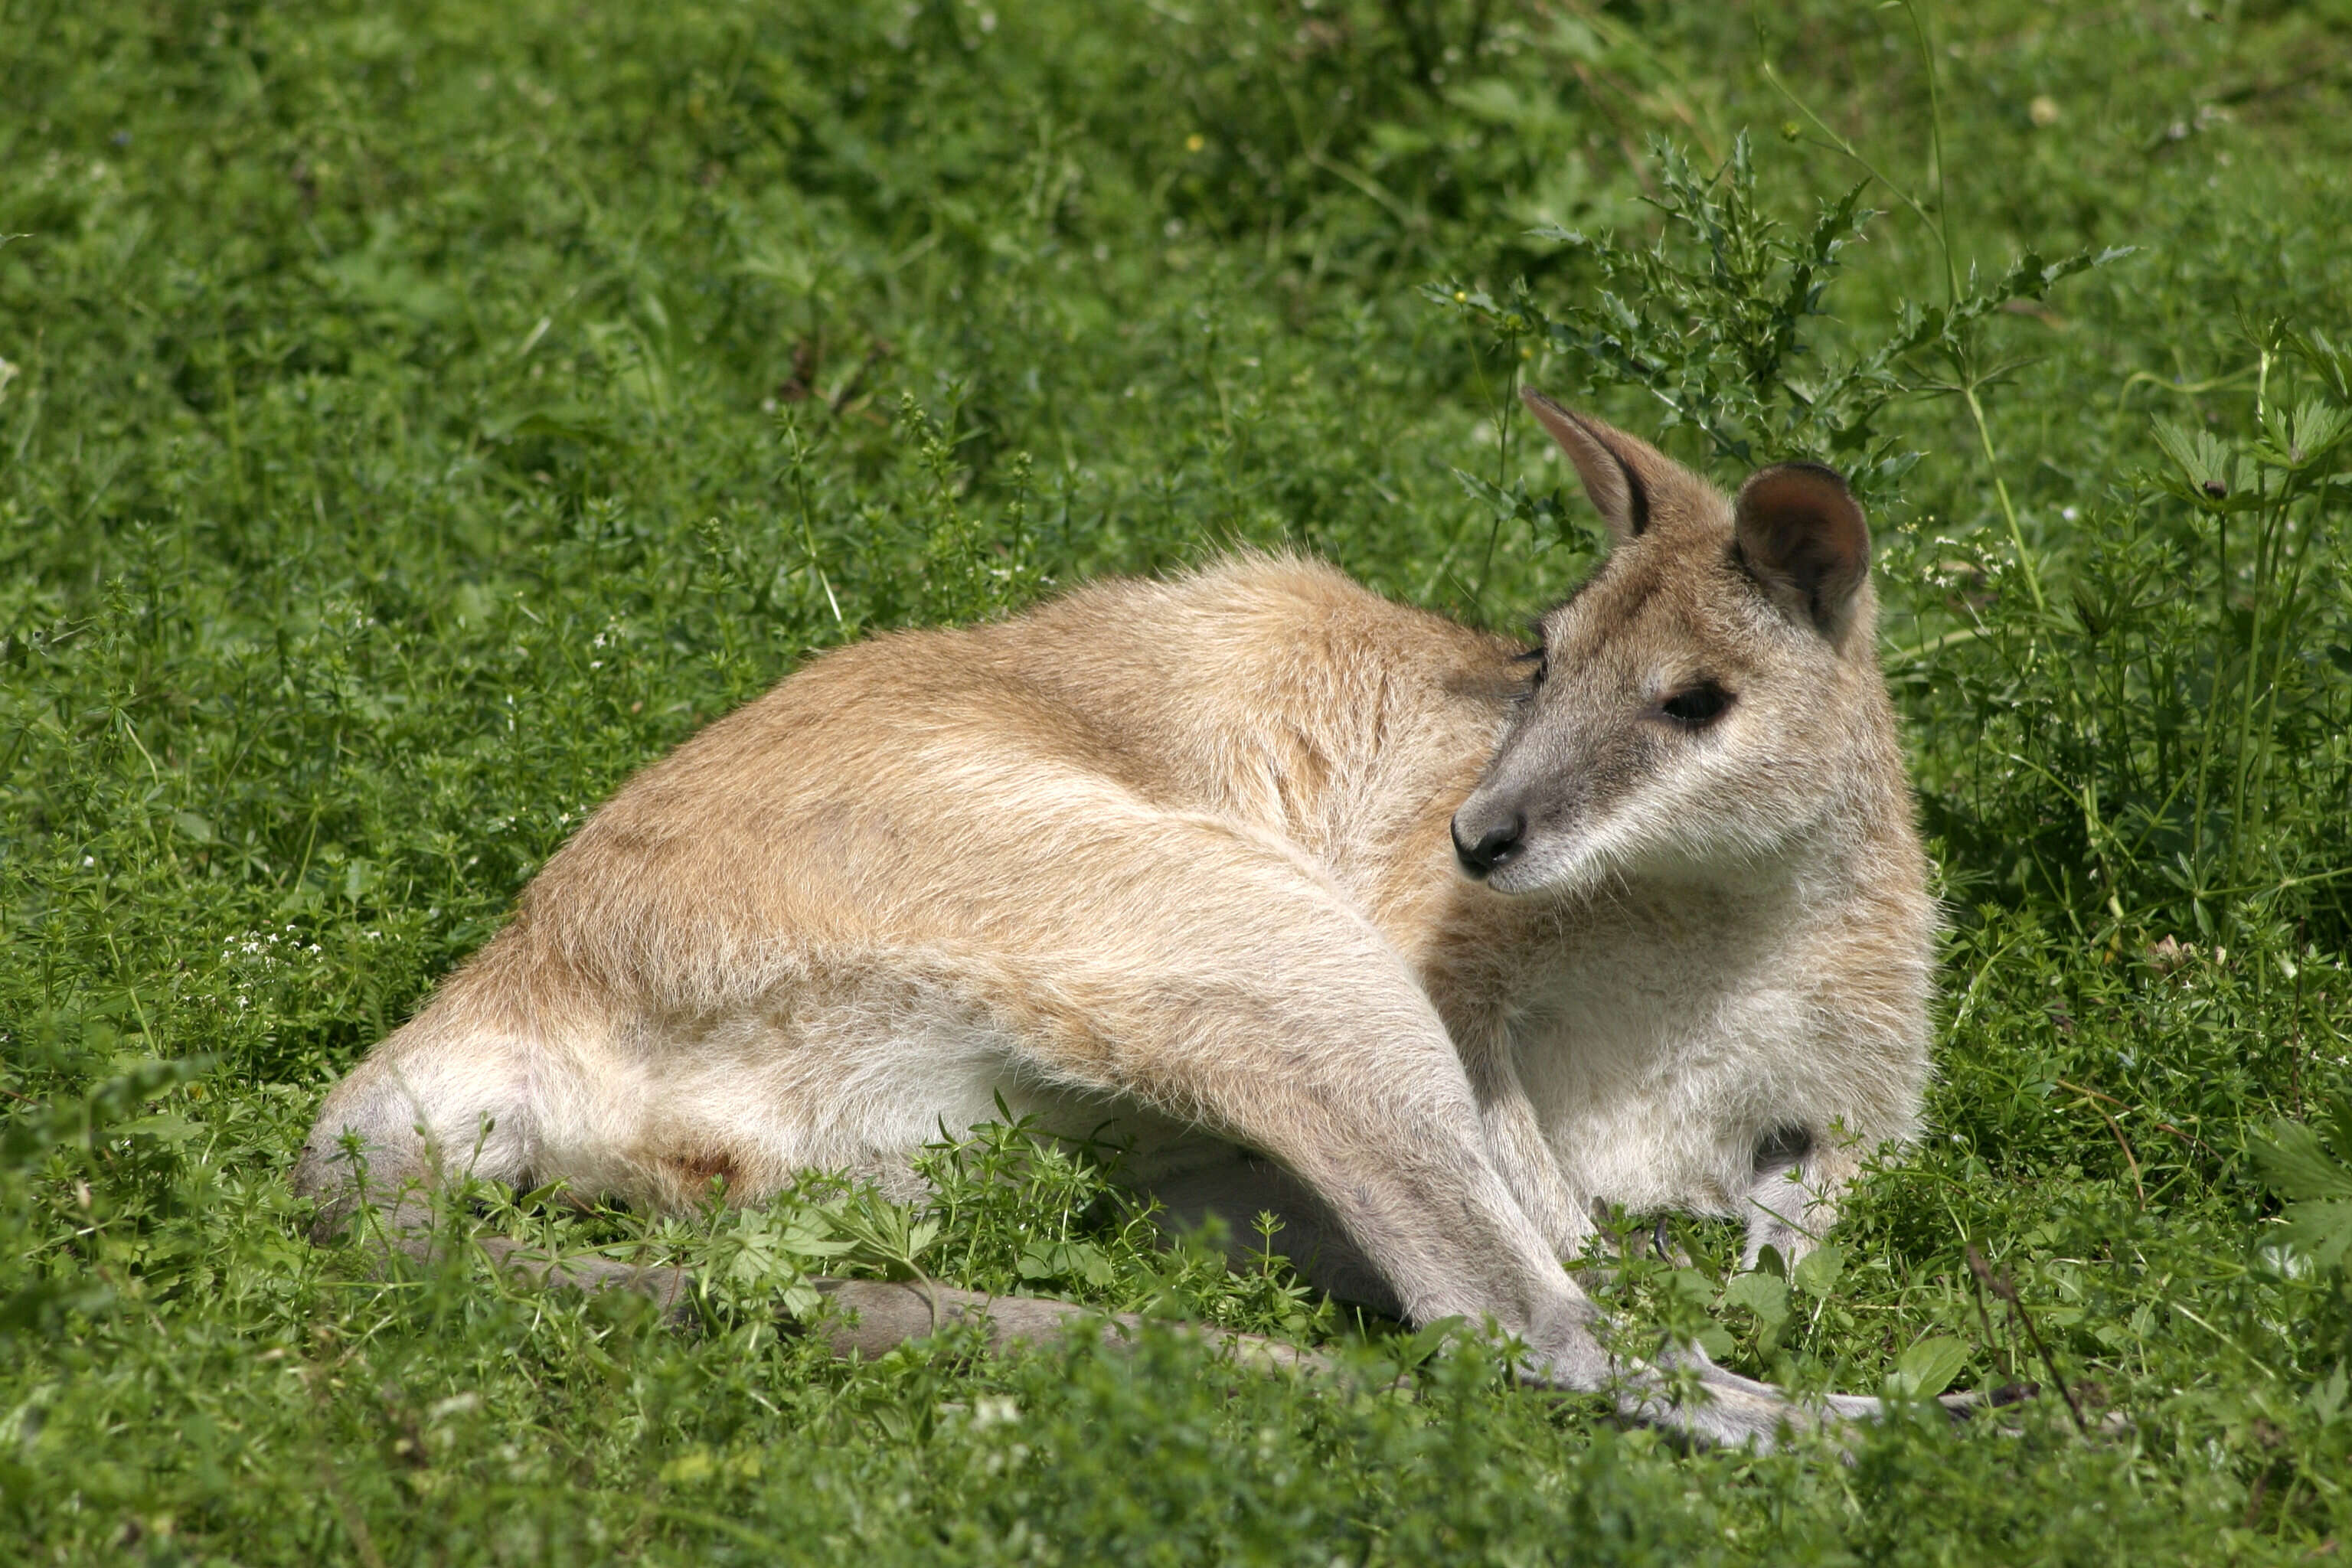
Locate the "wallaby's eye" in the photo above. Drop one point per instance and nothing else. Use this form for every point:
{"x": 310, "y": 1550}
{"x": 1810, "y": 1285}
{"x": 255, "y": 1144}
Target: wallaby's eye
{"x": 1697, "y": 706}
{"x": 1541, "y": 659}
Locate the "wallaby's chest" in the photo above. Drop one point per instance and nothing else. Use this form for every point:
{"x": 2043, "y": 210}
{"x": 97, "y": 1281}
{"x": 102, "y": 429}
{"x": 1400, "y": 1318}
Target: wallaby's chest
{"x": 1657, "y": 1048}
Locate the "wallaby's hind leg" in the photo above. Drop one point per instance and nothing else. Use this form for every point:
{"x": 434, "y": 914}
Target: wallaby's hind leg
{"x": 869, "y": 1317}
{"x": 430, "y": 1106}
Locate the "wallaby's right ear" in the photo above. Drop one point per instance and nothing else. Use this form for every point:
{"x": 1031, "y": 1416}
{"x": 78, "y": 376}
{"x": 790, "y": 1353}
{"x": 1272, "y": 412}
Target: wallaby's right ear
{"x": 1618, "y": 471}
{"x": 1802, "y": 536}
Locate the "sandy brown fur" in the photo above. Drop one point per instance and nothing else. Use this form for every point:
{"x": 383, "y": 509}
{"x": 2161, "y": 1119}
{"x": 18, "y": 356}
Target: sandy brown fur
{"x": 1183, "y": 860}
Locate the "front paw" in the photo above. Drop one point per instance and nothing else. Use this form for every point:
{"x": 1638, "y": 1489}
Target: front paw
{"x": 1785, "y": 1241}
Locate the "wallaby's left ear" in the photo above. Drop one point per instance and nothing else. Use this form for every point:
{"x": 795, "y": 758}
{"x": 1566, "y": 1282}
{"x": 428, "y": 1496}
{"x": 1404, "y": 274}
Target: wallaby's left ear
{"x": 1802, "y": 536}
{"x": 1618, "y": 471}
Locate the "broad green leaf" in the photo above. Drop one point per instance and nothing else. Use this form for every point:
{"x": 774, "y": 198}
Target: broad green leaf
{"x": 1424, "y": 1342}
{"x": 1816, "y": 1273}
{"x": 166, "y": 1127}
{"x": 2326, "y": 1396}
{"x": 2203, "y": 462}
{"x": 1762, "y": 1294}
{"x": 2297, "y": 440}
{"x": 1928, "y": 1368}
{"x": 1502, "y": 502}
{"x": 695, "y": 1464}
{"x": 1690, "y": 1285}
{"x": 2295, "y": 1165}
{"x": 2323, "y": 1228}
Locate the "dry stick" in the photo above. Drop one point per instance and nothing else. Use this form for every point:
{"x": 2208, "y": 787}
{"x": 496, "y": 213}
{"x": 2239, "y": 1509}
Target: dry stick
{"x": 2008, "y": 1351}
{"x": 2121, "y": 1141}
{"x": 889, "y": 1314}
{"x": 2162, "y": 1125}
{"x": 873, "y": 1317}
{"x": 2003, "y": 1287}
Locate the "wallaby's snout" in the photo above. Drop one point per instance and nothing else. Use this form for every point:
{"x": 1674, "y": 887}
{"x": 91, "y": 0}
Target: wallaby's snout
{"x": 1585, "y": 745}
{"x": 1485, "y": 838}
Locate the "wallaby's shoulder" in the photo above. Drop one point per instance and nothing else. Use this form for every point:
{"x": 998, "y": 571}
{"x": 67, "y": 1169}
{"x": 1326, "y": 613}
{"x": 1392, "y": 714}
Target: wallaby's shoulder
{"x": 1242, "y": 618}
{"x": 1246, "y": 641}
{"x": 1279, "y": 608}
{"x": 1262, "y": 683}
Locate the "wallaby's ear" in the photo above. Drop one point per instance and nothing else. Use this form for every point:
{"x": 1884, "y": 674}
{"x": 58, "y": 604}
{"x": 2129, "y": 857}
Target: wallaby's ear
{"x": 1618, "y": 469}
{"x": 1802, "y": 536}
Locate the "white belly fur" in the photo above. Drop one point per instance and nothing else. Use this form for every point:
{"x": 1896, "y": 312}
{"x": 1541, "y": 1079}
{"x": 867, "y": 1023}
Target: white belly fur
{"x": 1656, "y": 1097}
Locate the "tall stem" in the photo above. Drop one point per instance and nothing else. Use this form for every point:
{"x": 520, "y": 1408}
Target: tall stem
{"x": 1952, "y": 293}
{"x": 1935, "y": 149}
{"x": 2268, "y": 522}
{"x": 2000, "y": 491}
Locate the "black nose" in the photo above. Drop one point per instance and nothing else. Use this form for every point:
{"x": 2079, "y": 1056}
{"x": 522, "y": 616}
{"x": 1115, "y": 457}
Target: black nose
{"x": 1499, "y": 840}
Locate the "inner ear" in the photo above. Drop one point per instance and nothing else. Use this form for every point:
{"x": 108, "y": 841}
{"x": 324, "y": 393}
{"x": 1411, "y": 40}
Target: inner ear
{"x": 1802, "y": 536}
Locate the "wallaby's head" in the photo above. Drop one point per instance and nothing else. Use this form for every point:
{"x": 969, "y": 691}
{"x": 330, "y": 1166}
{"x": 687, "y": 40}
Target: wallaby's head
{"x": 1708, "y": 699}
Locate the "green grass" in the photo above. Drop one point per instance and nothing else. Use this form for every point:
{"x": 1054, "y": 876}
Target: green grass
{"x": 413, "y": 419}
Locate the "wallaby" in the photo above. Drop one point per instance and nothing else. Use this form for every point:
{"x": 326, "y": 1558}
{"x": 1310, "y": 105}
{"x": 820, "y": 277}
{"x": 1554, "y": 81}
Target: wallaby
{"x": 1322, "y": 904}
